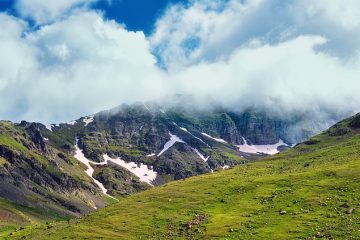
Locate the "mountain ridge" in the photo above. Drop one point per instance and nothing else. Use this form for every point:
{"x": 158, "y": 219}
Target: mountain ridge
{"x": 173, "y": 143}
{"x": 308, "y": 192}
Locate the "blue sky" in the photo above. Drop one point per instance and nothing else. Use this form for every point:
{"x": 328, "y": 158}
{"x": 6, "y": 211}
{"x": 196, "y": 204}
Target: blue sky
{"x": 137, "y": 15}
{"x": 64, "y": 59}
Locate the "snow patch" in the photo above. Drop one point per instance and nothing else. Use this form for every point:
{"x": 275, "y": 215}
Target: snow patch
{"x": 173, "y": 139}
{"x": 270, "y": 149}
{"x": 151, "y": 155}
{"x": 200, "y": 155}
{"x": 72, "y": 122}
{"x": 88, "y": 120}
{"x": 142, "y": 171}
{"x": 216, "y": 139}
{"x": 79, "y": 155}
{"x": 147, "y": 108}
{"x": 46, "y": 139}
{"x": 185, "y": 130}
{"x": 49, "y": 127}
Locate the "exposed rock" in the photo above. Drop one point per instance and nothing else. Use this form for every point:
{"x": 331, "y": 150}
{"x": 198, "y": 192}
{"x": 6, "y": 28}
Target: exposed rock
{"x": 282, "y": 212}
{"x": 350, "y": 210}
{"x": 355, "y": 123}
{"x": 34, "y": 176}
{"x": 345, "y": 205}
{"x": 319, "y": 235}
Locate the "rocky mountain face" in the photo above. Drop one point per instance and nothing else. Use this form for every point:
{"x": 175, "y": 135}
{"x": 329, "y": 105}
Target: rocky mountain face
{"x": 130, "y": 148}
{"x": 309, "y": 192}
{"x": 36, "y": 175}
{"x": 200, "y": 140}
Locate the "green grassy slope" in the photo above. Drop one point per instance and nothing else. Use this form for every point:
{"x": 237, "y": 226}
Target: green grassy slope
{"x": 13, "y": 216}
{"x": 38, "y": 183}
{"x": 311, "y": 191}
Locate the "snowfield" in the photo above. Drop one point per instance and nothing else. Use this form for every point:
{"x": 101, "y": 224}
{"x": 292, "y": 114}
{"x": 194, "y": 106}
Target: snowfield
{"x": 216, "y": 139}
{"x": 256, "y": 149}
{"x": 72, "y": 122}
{"x": 142, "y": 171}
{"x": 200, "y": 155}
{"x": 49, "y": 127}
{"x": 173, "y": 139}
{"x": 79, "y": 155}
{"x": 185, "y": 130}
{"x": 88, "y": 120}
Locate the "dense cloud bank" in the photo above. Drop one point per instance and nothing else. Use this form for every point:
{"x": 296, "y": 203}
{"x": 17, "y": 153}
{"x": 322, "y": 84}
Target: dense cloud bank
{"x": 283, "y": 56}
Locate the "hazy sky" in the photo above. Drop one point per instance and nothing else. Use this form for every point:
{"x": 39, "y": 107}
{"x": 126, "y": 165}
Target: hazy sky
{"x": 67, "y": 58}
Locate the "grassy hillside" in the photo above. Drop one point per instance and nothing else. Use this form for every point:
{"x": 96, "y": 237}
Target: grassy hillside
{"x": 13, "y": 215}
{"x": 38, "y": 182}
{"x": 311, "y": 191}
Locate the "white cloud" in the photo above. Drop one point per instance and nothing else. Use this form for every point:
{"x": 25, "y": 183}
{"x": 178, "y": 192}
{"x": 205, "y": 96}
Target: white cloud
{"x": 45, "y": 11}
{"x": 79, "y": 65}
{"x": 209, "y": 30}
{"x": 287, "y": 76}
{"x": 291, "y": 55}
{"x": 280, "y": 55}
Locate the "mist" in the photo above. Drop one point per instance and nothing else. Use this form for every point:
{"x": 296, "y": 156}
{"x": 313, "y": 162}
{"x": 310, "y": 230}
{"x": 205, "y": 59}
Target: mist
{"x": 296, "y": 57}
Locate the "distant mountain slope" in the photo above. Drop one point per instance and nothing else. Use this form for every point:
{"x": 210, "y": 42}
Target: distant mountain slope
{"x": 179, "y": 142}
{"x": 70, "y": 169}
{"x": 311, "y": 191}
{"x": 39, "y": 177}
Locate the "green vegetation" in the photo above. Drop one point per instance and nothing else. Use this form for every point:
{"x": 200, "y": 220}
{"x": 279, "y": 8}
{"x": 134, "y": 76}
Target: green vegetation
{"x": 118, "y": 150}
{"x": 118, "y": 181}
{"x": 15, "y": 216}
{"x": 40, "y": 183}
{"x": 10, "y": 142}
{"x": 311, "y": 191}
{"x": 226, "y": 155}
{"x": 2, "y": 161}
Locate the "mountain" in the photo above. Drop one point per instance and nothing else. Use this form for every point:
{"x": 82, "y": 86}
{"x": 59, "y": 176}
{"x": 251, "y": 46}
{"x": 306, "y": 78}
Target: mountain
{"x": 68, "y": 170}
{"x": 311, "y": 191}
{"x": 40, "y": 178}
{"x": 139, "y": 133}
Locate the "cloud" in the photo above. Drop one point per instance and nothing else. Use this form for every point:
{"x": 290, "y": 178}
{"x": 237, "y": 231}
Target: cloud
{"x": 79, "y": 65}
{"x": 209, "y": 30}
{"x": 45, "y": 11}
{"x": 282, "y": 56}
{"x": 283, "y": 77}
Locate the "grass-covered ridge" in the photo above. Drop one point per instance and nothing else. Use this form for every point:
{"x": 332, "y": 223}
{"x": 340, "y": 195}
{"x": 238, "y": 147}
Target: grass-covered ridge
{"x": 14, "y": 216}
{"x": 311, "y": 191}
{"x": 39, "y": 183}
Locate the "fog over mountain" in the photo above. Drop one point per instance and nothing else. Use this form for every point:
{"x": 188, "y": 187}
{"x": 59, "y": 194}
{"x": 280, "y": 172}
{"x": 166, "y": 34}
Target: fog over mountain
{"x": 65, "y": 60}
